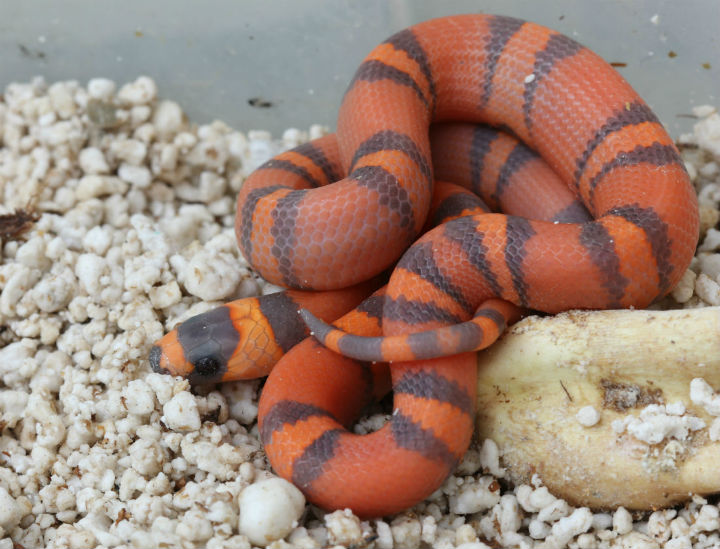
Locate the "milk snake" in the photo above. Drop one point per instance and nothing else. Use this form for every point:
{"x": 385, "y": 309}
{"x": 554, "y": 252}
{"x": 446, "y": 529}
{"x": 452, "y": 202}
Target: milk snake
{"x": 455, "y": 289}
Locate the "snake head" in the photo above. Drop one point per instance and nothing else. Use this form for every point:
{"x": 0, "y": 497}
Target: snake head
{"x": 223, "y": 344}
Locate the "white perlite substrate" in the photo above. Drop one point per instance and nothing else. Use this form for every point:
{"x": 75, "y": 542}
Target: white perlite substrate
{"x": 135, "y": 233}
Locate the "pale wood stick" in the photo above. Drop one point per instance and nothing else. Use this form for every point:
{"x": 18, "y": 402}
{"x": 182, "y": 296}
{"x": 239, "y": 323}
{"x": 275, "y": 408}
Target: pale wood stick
{"x": 544, "y": 370}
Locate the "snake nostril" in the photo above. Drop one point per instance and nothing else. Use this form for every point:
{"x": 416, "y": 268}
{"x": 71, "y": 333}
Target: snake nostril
{"x": 207, "y": 366}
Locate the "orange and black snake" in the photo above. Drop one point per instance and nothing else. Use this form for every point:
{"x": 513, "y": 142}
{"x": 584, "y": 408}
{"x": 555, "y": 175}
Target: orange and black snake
{"x": 599, "y": 213}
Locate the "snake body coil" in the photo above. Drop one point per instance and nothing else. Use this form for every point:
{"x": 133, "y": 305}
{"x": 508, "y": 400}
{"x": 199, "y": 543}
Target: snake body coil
{"x": 459, "y": 285}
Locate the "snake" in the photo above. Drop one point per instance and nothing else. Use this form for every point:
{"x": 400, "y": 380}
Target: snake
{"x": 598, "y": 212}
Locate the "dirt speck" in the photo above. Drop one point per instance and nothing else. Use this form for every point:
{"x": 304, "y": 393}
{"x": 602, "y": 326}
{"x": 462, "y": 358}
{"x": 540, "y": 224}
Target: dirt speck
{"x": 621, "y": 396}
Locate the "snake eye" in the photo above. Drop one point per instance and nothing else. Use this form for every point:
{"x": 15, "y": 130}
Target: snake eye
{"x": 208, "y": 341}
{"x": 207, "y": 366}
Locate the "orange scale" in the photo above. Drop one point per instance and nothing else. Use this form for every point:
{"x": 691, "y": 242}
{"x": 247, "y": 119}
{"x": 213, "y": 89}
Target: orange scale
{"x": 455, "y": 369}
{"x": 517, "y": 61}
{"x": 415, "y": 288}
{"x": 397, "y": 108}
{"x": 625, "y": 140}
{"x": 446, "y": 422}
{"x": 379, "y": 487}
{"x": 451, "y": 150}
{"x": 387, "y": 54}
{"x": 302, "y": 161}
{"x": 562, "y": 131}
{"x": 626, "y": 185}
{"x": 290, "y": 441}
{"x": 534, "y": 191}
{"x": 559, "y": 271}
